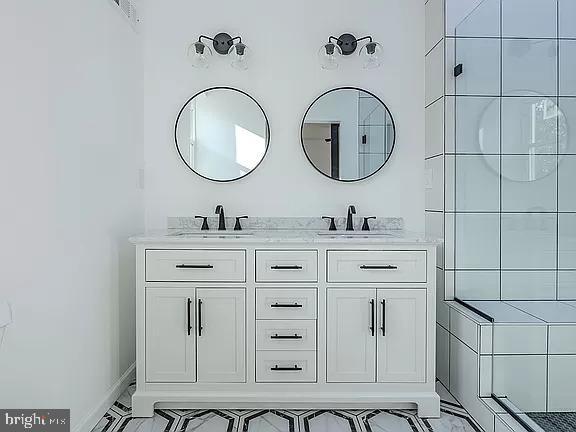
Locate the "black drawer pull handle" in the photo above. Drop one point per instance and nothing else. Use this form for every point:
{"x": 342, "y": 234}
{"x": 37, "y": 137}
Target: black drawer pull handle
{"x": 277, "y": 336}
{"x": 372, "y": 317}
{"x": 200, "y": 327}
{"x": 286, "y": 267}
{"x": 189, "y": 303}
{"x": 383, "y": 328}
{"x": 279, "y": 368}
{"x": 283, "y": 305}
{"x": 194, "y": 266}
{"x": 379, "y": 267}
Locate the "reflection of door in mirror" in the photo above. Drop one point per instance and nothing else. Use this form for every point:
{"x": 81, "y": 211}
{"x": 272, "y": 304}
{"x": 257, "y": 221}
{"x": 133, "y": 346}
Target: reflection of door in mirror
{"x": 322, "y": 145}
{"x": 348, "y": 134}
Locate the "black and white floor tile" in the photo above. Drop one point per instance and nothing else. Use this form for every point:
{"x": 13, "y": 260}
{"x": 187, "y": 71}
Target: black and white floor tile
{"x": 119, "y": 419}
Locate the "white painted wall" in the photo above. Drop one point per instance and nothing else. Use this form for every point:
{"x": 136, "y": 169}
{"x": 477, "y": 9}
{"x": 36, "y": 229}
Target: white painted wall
{"x": 285, "y": 78}
{"x": 70, "y": 132}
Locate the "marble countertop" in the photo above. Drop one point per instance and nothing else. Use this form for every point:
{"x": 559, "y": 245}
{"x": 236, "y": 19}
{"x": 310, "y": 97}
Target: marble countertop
{"x": 181, "y": 237}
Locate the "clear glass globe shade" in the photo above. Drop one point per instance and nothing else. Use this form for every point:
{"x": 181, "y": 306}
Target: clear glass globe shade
{"x": 329, "y": 56}
{"x": 240, "y": 56}
{"x": 199, "y": 55}
{"x": 371, "y": 55}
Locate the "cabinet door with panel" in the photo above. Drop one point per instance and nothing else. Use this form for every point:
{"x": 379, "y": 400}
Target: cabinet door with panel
{"x": 170, "y": 339}
{"x": 351, "y": 339}
{"x": 221, "y": 343}
{"x": 401, "y": 335}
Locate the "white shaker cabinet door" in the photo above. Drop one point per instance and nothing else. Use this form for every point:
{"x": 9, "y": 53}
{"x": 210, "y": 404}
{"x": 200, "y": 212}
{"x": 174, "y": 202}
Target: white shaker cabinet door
{"x": 401, "y": 335}
{"x": 221, "y": 340}
{"x": 170, "y": 339}
{"x": 351, "y": 338}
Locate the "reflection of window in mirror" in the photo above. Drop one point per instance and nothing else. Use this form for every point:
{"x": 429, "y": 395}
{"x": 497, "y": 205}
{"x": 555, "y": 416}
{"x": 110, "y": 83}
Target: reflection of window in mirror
{"x": 222, "y": 134}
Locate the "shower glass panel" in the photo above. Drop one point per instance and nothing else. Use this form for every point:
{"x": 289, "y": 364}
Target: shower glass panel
{"x": 513, "y": 111}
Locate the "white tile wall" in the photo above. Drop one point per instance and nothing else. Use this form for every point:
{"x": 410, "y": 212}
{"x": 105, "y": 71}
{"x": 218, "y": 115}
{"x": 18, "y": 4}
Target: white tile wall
{"x": 464, "y": 329}
{"x": 449, "y": 245}
{"x": 434, "y": 22}
{"x": 483, "y": 21}
{"x": 435, "y": 227}
{"x": 567, "y": 16}
{"x": 477, "y": 241}
{"x": 567, "y": 240}
{"x": 477, "y": 285}
{"x": 477, "y": 183}
{"x": 567, "y": 143}
{"x": 485, "y": 376}
{"x": 434, "y": 74}
{"x": 529, "y": 285}
{"x": 449, "y": 182}
{"x": 449, "y": 125}
{"x": 434, "y": 194}
{"x": 566, "y": 182}
{"x": 529, "y": 18}
{"x": 562, "y": 339}
{"x": 443, "y": 355}
{"x": 567, "y": 285}
{"x": 449, "y": 284}
{"x": 486, "y": 339}
{"x": 520, "y": 339}
{"x": 477, "y": 125}
{"x": 567, "y": 64}
{"x": 435, "y": 128}
{"x": 528, "y": 241}
{"x": 450, "y": 62}
{"x": 529, "y": 66}
{"x": 481, "y": 66}
{"x": 562, "y": 376}
{"x": 528, "y": 183}
{"x": 522, "y": 379}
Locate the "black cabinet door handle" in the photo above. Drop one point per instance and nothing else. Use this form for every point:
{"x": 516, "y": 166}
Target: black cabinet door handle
{"x": 372, "y": 317}
{"x": 277, "y": 336}
{"x": 200, "y": 328}
{"x": 189, "y": 303}
{"x": 383, "y": 328}
{"x": 286, "y": 267}
{"x": 379, "y": 267}
{"x": 279, "y": 368}
{"x": 194, "y": 266}
{"x": 286, "y": 305}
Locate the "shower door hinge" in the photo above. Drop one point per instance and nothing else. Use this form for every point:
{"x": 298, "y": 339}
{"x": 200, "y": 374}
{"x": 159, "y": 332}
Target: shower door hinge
{"x": 458, "y": 70}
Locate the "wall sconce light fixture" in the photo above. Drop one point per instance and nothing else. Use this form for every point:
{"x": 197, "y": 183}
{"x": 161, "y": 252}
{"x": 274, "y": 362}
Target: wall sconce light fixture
{"x": 200, "y": 53}
{"x": 346, "y": 44}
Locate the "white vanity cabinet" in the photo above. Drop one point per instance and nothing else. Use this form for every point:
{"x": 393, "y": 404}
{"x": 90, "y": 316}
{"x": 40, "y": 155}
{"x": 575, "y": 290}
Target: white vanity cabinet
{"x": 195, "y": 335}
{"x": 272, "y": 322}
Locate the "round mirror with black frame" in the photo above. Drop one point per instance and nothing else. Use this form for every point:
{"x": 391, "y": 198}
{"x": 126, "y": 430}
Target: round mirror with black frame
{"x": 348, "y": 134}
{"x": 222, "y": 134}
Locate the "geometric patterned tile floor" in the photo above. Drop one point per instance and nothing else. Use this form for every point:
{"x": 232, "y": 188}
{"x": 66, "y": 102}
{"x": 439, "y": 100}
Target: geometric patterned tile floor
{"x": 555, "y": 422}
{"x": 453, "y": 418}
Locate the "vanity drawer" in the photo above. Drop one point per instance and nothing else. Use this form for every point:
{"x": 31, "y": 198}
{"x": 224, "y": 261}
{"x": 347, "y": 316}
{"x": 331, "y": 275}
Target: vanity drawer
{"x": 281, "y": 304}
{"x": 196, "y": 265}
{"x": 356, "y": 266}
{"x": 286, "y": 335}
{"x": 285, "y": 366}
{"x": 286, "y": 266}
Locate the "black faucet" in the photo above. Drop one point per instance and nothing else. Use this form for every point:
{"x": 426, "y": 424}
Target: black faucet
{"x": 221, "y": 220}
{"x": 349, "y": 222}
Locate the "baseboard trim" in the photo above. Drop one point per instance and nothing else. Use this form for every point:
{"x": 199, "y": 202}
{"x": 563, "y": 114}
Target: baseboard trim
{"x": 92, "y": 419}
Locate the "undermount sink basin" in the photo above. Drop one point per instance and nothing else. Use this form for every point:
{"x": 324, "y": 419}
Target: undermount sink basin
{"x": 354, "y": 234}
{"x": 210, "y": 234}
